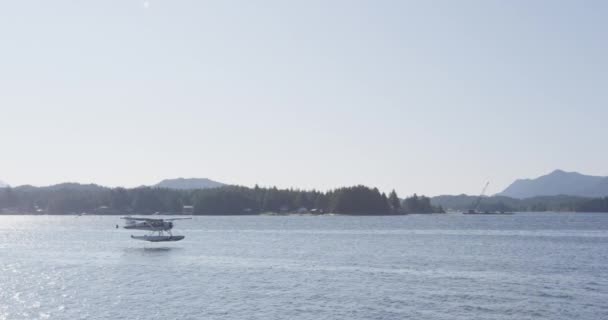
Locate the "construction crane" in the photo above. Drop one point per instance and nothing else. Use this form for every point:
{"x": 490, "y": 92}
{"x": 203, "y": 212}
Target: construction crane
{"x": 475, "y": 205}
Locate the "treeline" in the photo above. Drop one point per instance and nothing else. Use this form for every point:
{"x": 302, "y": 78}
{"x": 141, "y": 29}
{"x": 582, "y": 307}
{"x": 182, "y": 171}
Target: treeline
{"x": 72, "y": 198}
{"x": 559, "y": 203}
{"x": 594, "y": 205}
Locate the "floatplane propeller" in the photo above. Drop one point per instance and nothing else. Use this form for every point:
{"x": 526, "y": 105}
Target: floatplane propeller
{"x": 160, "y": 229}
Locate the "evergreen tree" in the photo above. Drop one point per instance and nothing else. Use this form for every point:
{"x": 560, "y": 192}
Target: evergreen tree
{"x": 394, "y": 202}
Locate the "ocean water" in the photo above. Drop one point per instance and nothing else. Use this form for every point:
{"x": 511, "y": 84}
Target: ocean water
{"x": 524, "y": 266}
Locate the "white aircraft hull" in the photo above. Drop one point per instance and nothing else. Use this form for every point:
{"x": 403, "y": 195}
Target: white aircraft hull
{"x": 153, "y": 238}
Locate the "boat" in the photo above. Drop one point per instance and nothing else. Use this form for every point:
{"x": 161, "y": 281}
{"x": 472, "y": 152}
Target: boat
{"x": 477, "y": 202}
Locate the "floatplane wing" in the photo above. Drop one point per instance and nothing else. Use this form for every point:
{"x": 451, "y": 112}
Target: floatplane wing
{"x": 140, "y": 219}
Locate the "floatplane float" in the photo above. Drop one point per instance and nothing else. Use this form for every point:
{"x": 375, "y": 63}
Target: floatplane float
{"x": 160, "y": 229}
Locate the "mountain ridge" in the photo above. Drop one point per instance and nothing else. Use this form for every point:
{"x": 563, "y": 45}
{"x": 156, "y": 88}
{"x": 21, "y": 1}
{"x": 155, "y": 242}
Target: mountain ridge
{"x": 189, "y": 184}
{"x": 558, "y": 182}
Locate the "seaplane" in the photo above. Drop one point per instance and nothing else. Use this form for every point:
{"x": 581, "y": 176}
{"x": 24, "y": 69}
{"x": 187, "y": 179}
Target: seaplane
{"x": 160, "y": 229}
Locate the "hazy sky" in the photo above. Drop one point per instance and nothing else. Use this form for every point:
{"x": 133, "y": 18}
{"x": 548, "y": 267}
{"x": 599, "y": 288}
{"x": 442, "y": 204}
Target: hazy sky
{"x": 432, "y": 97}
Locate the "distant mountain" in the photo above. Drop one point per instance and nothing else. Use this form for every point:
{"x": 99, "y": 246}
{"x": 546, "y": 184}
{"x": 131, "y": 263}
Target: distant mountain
{"x": 558, "y": 182}
{"x": 598, "y": 190}
{"x": 189, "y": 184}
{"x": 75, "y": 186}
{"x": 2, "y": 184}
{"x": 69, "y": 186}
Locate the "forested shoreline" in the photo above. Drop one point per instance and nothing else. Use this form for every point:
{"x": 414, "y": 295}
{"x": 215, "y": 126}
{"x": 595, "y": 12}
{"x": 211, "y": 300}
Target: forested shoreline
{"x": 71, "y": 198}
{"x": 560, "y": 203}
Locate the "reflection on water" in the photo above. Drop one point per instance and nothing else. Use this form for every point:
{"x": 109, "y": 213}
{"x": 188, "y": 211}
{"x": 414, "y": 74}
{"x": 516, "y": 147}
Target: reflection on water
{"x": 158, "y": 249}
{"x": 151, "y": 251}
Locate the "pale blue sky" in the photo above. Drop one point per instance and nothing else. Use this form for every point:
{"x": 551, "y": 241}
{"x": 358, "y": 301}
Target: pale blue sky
{"x": 432, "y": 97}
